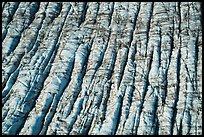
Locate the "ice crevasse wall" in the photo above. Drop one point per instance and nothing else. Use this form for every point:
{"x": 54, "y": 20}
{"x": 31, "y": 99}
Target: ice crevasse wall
{"x": 101, "y": 68}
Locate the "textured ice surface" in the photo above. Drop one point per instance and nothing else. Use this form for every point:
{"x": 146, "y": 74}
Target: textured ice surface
{"x": 78, "y": 68}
